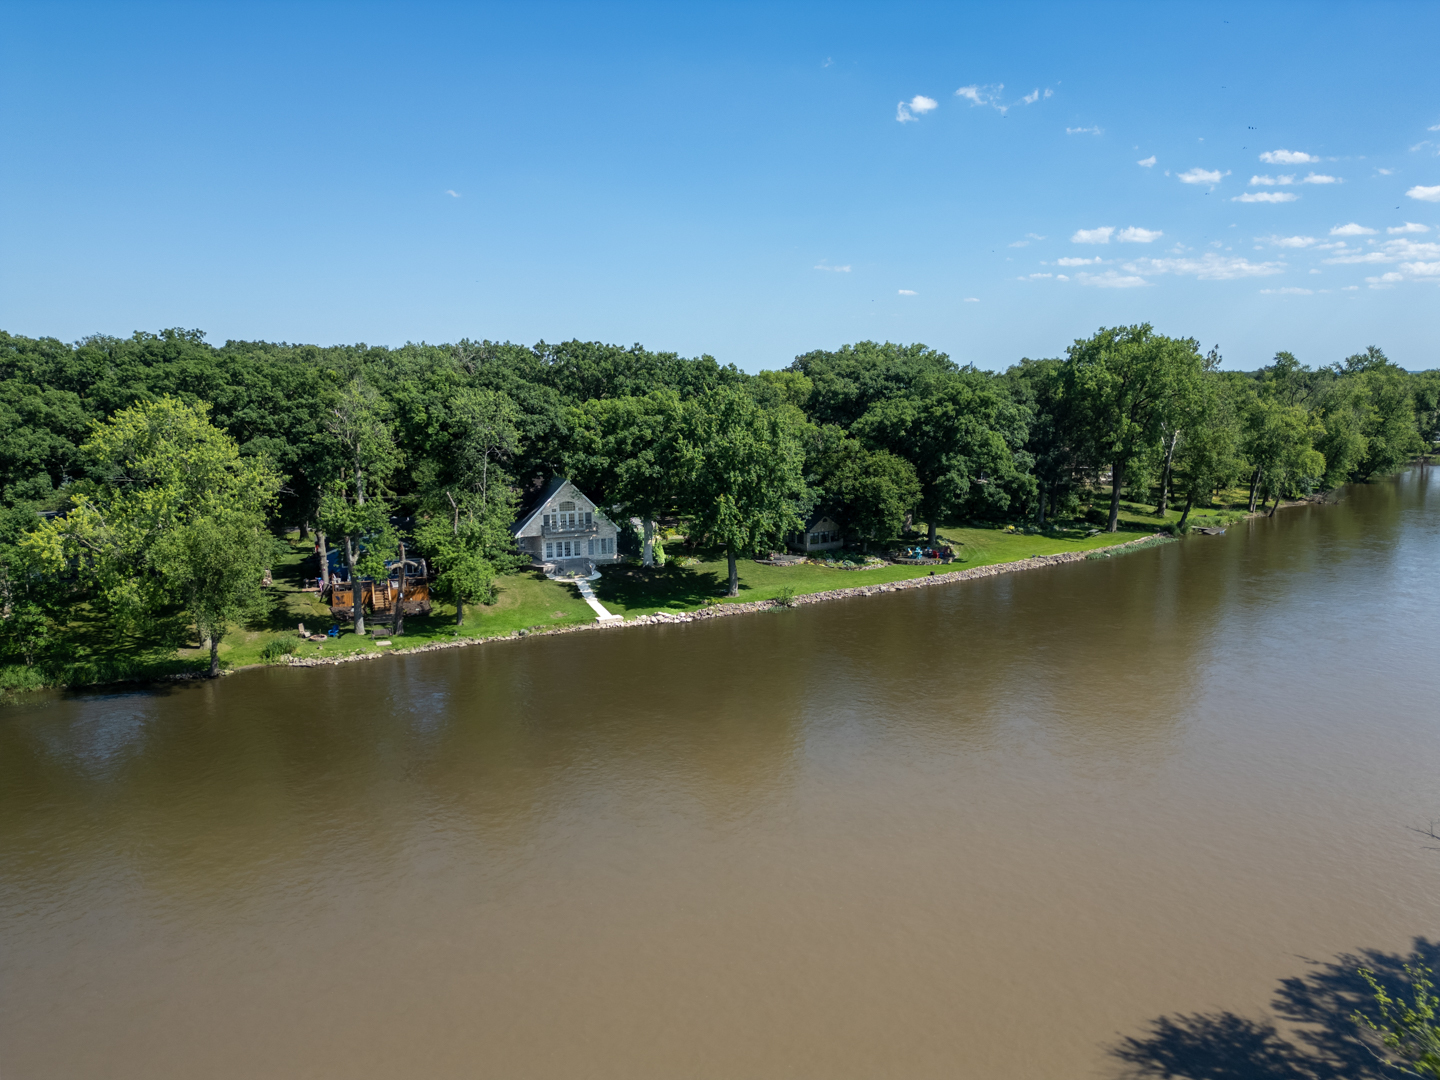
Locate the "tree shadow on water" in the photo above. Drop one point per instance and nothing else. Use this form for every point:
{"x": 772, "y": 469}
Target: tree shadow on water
{"x": 1316, "y": 1037}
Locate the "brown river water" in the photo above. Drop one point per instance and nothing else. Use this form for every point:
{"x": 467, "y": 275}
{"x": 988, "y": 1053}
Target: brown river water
{"x": 1133, "y": 817}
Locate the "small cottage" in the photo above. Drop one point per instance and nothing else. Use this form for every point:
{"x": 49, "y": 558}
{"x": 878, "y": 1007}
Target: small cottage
{"x": 822, "y": 533}
{"x": 562, "y": 529}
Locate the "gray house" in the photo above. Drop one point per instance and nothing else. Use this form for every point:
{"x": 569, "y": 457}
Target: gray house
{"x": 563, "y": 530}
{"x": 822, "y": 533}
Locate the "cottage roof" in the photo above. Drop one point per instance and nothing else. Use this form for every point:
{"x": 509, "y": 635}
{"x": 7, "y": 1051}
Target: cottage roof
{"x": 818, "y": 516}
{"x": 555, "y": 484}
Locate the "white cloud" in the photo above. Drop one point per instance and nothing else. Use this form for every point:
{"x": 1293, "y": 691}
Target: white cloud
{"x": 1320, "y": 178}
{"x": 976, "y": 299}
{"x": 1061, "y": 277}
{"x": 1433, "y": 127}
{"x": 908, "y": 292}
{"x": 983, "y": 95}
{"x": 1287, "y": 157}
{"x": 1019, "y": 243}
{"x": 1351, "y": 230}
{"x": 1202, "y": 176}
{"x": 1036, "y": 277}
{"x": 1147, "y": 163}
{"x": 1288, "y": 290}
{"x": 1266, "y": 196}
{"x": 1271, "y": 181}
{"x": 1111, "y": 280}
{"x": 1032, "y": 97}
{"x": 1425, "y": 194}
{"x": 915, "y": 108}
{"x": 1353, "y": 257}
{"x": 1093, "y": 236}
{"x": 1209, "y": 267}
{"x": 1415, "y": 257}
{"x": 1070, "y": 261}
{"x": 1084, "y": 131}
{"x": 1384, "y": 281}
{"x": 1385, "y": 172}
{"x": 1351, "y": 288}
{"x": 1291, "y": 241}
{"x": 452, "y": 194}
{"x": 1135, "y": 235}
{"x": 834, "y": 269}
{"x": 1408, "y": 227}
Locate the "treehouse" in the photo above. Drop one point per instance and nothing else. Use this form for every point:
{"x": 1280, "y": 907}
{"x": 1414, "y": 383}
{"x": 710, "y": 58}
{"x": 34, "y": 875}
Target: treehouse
{"x": 381, "y": 598}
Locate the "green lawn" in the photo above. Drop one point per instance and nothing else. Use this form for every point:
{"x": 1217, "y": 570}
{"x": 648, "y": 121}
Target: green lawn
{"x": 93, "y": 652}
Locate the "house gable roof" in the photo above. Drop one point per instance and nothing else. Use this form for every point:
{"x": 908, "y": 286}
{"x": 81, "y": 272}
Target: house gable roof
{"x": 556, "y": 483}
{"x": 817, "y": 517}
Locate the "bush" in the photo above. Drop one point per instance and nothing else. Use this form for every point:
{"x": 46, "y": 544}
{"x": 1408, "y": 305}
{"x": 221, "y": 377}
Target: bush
{"x": 786, "y": 599}
{"x": 277, "y": 648}
{"x": 1096, "y": 516}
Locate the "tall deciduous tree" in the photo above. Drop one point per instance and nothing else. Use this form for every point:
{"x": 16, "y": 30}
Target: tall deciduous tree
{"x": 177, "y": 506}
{"x": 629, "y": 449}
{"x": 1122, "y": 385}
{"x": 363, "y": 455}
{"x": 961, "y": 435}
{"x": 744, "y": 469}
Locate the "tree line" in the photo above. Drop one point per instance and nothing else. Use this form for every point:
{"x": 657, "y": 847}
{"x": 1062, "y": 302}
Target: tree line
{"x": 150, "y": 474}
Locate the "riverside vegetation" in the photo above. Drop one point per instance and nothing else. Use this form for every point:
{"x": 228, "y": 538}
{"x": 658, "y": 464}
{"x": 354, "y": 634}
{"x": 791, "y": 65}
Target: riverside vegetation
{"x": 148, "y": 484}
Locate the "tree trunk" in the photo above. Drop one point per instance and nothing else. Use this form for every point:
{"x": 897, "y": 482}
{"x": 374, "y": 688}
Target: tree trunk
{"x": 1254, "y": 487}
{"x": 357, "y": 594}
{"x": 304, "y": 530}
{"x": 647, "y": 556}
{"x": 1189, "y": 502}
{"x": 909, "y": 526}
{"x": 1040, "y": 513}
{"x": 1165, "y": 476}
{"x": 400, "y": 598}
{"x": 324, "y": 553}
{"x": 734, "y": 572}
{"x": 1276, "y": 506}
{"x": 214, "y": 656}
{"x": 459, "y": 612}
{"x": 1117, "y": 474}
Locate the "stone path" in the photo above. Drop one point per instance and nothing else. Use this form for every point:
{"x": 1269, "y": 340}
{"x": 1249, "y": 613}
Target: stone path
{"x": 588, "y": 594}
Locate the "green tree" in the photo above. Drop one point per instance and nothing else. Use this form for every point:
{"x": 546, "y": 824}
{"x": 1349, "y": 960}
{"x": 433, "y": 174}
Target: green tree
{"x": 629, "y": 450}
{"x": 216, "y": 564}
{"x": 744, "y": 466}
{"x": 962, "y": 435}
{"x": 475, "y": 435}
{"x": 1409, "y": 1028}
{"x": 1209, "y": 455}
{"x": 363, "y": 455}
{"x": 172, "y": 484}
{"x": 465, "y": 575}
{"x": 1279, "y": 441}
{"x": 1122, "y": 386}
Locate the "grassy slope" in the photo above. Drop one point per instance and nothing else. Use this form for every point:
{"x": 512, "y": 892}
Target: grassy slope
{"x": 529, "y": 601}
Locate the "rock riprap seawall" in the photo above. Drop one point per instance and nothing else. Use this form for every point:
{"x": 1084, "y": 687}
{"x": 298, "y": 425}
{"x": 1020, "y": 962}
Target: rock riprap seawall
{"x": 720, "y": 611}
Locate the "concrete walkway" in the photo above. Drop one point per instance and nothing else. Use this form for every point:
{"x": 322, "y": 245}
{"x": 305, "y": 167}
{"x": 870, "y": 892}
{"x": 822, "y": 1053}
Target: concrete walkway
{"x": 588, "y": 594}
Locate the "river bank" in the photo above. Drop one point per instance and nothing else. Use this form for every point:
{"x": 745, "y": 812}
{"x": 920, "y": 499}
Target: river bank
{"x": 752, "y": 607}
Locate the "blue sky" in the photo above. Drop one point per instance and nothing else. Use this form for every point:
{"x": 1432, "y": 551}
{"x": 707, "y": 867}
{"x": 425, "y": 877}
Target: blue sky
{"x": 746, "y": 180}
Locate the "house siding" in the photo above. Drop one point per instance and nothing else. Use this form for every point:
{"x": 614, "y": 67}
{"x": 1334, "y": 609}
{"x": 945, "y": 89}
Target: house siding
{"x": 566, "y": 525}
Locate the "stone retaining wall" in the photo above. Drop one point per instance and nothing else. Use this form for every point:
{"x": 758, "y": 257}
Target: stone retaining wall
{"x": 720, "y": 611}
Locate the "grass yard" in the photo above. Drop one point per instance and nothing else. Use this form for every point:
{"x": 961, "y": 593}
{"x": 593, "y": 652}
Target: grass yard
{"x": 91, "y": 652}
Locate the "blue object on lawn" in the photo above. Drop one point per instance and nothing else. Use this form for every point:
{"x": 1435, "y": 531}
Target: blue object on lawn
{"x": 334, "y": 631}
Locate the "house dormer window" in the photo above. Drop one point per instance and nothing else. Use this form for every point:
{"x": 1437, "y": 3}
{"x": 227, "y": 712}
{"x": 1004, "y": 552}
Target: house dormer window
{"x": 567, "y": 506}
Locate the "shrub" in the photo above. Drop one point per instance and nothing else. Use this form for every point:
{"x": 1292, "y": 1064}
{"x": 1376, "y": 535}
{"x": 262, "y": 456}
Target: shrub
{"x": 278, "y": 647}
{"x": 786, "y": 599}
